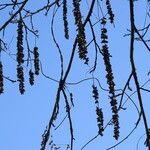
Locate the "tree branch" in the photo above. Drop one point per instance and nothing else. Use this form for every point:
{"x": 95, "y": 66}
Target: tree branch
{"x": 131, "y": 2}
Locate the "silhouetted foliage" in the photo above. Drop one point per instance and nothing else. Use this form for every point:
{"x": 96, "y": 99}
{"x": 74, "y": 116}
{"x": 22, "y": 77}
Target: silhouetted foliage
{"x": 98, "y": 13}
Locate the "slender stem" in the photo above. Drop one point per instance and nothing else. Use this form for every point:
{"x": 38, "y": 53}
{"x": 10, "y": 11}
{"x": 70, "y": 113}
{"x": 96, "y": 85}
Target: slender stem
{"x": 124, "y": 89}
{"x": 69, "y": 118}
{"x": 142, "y": 39}
{"x": 135, "y": 76}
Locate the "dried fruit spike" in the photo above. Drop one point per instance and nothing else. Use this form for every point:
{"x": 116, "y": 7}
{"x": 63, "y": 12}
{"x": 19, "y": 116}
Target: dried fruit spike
{"x": 110, "y": 80}
{"x": 20, "y": 76}
{"x": 110, "y": 12}
{"x": 100, "y": 120}
{"x": 81, "y": 39}
{"x": 95, "y": 93}
{"x": 31, "y": 77}
{"x": 20, "y": 54}
{"x": 65, "y": 19}
{"x": 36, "y": 61}
{"x": 1, "y": 78}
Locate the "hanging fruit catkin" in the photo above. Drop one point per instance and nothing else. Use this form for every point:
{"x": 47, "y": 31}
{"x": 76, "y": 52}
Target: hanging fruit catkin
{"x": 95, "y": 93}
{"x": 20, "y": 54}
{"x": 110, "y": 79}
{"x": 65, "y": 19}
{"x": 81, "y": 39}
{"x": 100, "y": 120}
{"x": 20, "y": 76}
{"x": 109, "y": 11}
{"x": 99, "y": 113}
{"x": 31, "y": 77}
{"x": 36, "y": 61}
{"x": 1, "y": 78}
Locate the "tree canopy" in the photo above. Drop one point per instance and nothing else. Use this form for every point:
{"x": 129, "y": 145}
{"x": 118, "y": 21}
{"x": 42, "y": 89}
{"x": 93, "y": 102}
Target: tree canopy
{"x": 78, "y": 43}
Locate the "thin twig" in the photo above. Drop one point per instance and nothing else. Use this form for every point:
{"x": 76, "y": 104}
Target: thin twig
{"x": 14, "y": 15}
{"x": 92, "y": 139}
{"x": 145, "y": 89}
{"x": 134, "y": 70}
{"x": 69, "y": 118}
{"x": 135, "y": 29}
{"x": 124, "y": 89}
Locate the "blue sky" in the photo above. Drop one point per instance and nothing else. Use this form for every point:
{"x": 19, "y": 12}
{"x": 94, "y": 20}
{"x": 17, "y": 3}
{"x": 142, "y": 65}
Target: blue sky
{"x": 24, "y": 117}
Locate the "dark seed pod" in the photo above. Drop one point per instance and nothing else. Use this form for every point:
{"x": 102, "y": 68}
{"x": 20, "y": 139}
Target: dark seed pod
{"x": 109, "y": 11}
{"x": 100, "y": 120}
{"x": 65, "y": 19}
{"x": 110, "y": 79}
{"x": 103, "y": 21}
{"x": 45, "y": 137}
{"x": 36, "y": 61}
{"x": 31, "y": 77}
{"x": 95, "y": 93}
{"x": 116, "y": 126}
{"x": 81, "y": 39}
{"x": 1, "y": 78}
{"x": 111, "y": 84}
{"x": 20, "y": 54}
{"x": 20, "y": 76}
{"x": 104, "y": 36}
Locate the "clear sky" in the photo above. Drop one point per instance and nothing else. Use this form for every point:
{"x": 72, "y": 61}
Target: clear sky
{"x": 23, "y": 118}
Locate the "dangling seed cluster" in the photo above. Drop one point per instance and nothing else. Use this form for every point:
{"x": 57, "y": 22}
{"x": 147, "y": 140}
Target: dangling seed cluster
{"x": 1, "y": 78}
{"x": 110, "y": 78}
{"x": 95, "y": 93}
{"x": 116, "y": 123}
{"x": 71, "y": 99}
{"x": 100, "y": 120}
{"x": 111, "y": 84}
{"x": 99, "y": 113}
{"x": 45, "y": 137}
{"x": 65, "y": 19}
{"x": 81, "y": 39}
{"x": 110, "y": 12}
{"x": 104, "y": 36}
{"x": 53, "y": 146}
{"x": 31, "y": 77}
{"x": 20, "y": 76}
{"x": 20, "y": 54}
{"x": 36, "y": 61}
{"x": 20, "y": 59}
